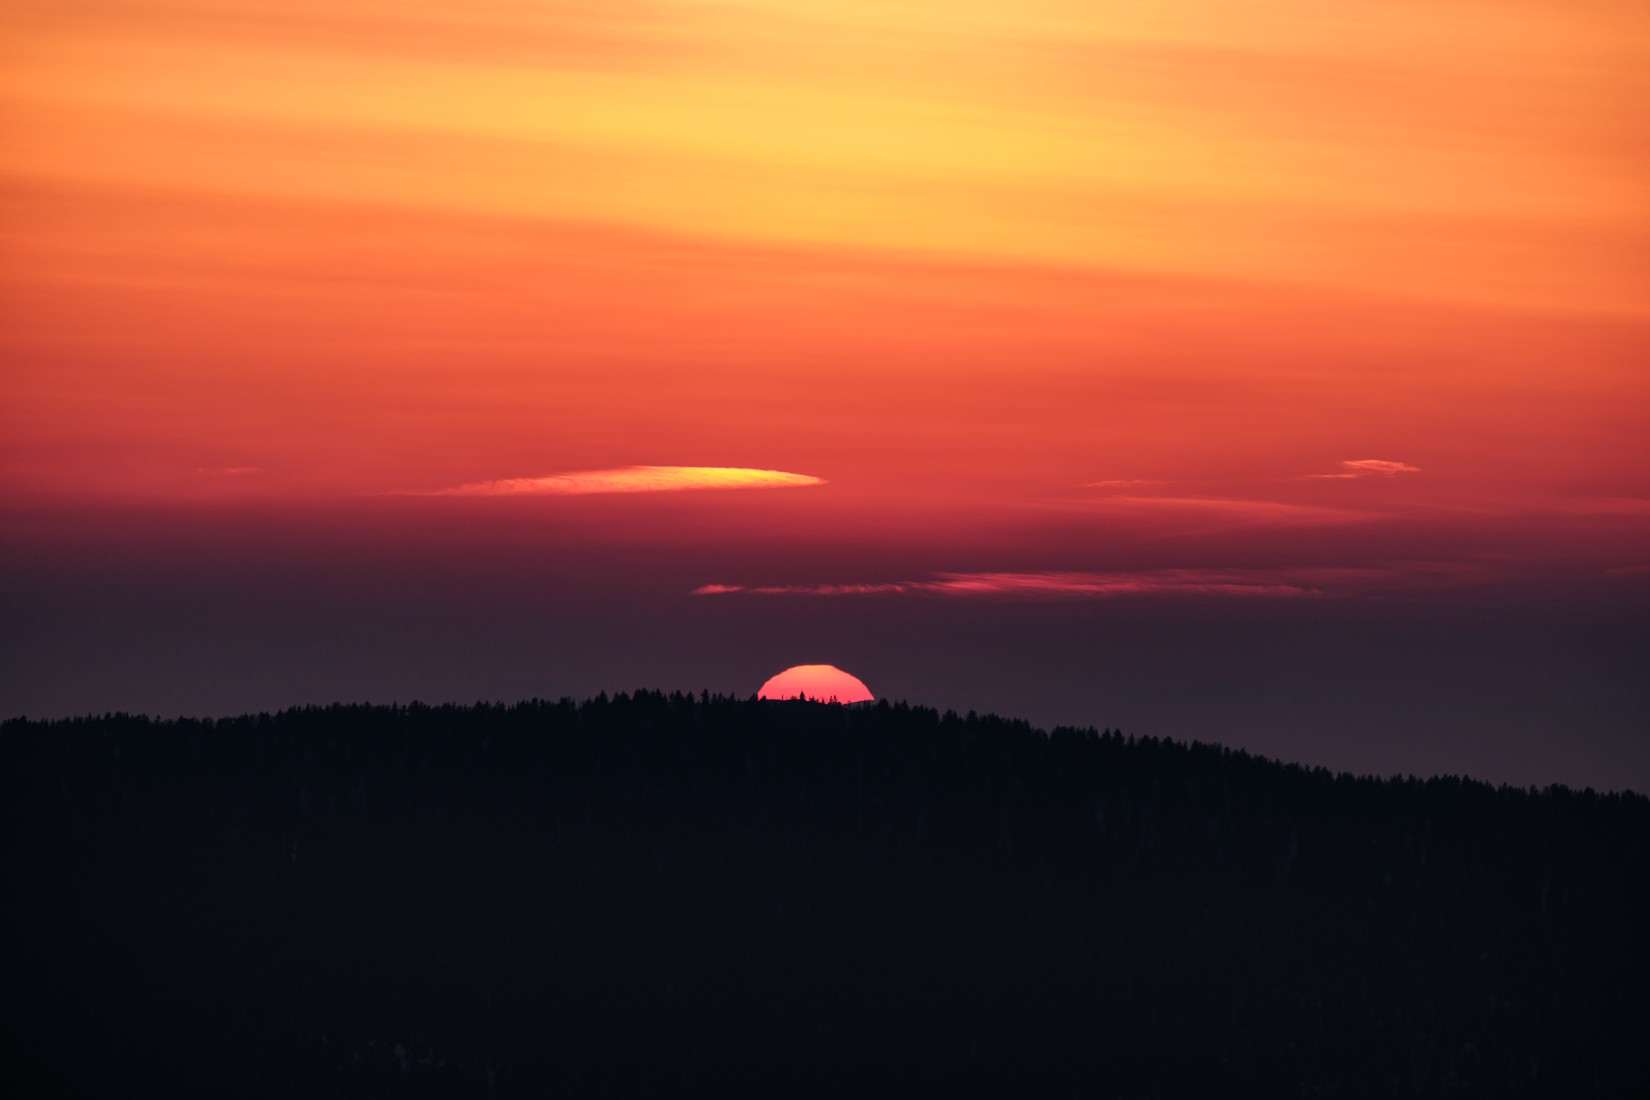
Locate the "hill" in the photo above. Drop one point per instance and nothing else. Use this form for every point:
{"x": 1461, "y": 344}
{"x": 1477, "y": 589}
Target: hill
{"x": 663, "y": 893}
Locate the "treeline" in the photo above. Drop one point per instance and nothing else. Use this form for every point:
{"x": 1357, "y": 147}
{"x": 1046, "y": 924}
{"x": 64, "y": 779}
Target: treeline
{"x": 670, "y": 892}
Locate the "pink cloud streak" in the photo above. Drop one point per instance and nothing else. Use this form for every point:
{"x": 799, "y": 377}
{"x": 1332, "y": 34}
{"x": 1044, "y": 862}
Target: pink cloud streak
{"x": 1052, "y": 584}
{"x": 1367, "y": 467}
{"x": 1290, "y": 583}
{"x": 1233, "y": 510}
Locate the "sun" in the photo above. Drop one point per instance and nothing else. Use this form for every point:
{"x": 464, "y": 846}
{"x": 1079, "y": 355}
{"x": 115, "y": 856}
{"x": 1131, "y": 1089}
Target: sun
{"x": 823, "y": 682}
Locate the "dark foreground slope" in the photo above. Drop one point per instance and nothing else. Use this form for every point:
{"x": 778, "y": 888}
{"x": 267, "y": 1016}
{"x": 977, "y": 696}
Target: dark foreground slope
{"x": 669, "y": 894}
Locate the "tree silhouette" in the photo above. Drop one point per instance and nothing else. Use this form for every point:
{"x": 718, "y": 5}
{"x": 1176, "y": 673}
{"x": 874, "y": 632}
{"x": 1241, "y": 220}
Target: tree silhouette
{"x": 652, "y": 891}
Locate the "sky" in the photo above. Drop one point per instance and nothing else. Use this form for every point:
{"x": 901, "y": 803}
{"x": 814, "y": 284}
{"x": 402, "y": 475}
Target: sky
{"x": 1268, "y": 372}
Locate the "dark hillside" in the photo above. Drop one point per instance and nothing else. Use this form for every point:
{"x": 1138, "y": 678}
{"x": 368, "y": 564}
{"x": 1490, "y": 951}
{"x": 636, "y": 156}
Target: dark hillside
{"x": 666, "y": 893}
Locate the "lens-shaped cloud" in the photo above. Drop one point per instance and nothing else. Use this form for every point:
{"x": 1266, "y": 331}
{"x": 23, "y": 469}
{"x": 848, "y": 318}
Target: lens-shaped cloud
{"x": 635, "y": 479}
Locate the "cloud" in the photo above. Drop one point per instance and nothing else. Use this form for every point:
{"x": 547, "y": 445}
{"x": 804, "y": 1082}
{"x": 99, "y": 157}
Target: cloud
{"x": 1296, "y": 582}
{"x": 1367, "y": 467}
{"x": 634, "y": 479}
{"x": 1158, "y": 582}
{"x": 1607, "y": 506}
{"x": 1120, "y": 483}
{"x": 1043, "y": 585}
{"x": 1235, "y": 510}
{"x": 808, "y": 589}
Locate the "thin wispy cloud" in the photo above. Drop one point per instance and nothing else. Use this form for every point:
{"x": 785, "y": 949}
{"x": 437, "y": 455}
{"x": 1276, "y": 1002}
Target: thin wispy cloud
{"x": 1607, "y": 506}
{"x": 1043, "y": 585}
{"x": 813, "y": 589}
{"x": 1353, "y": 468}
{"x": 1164, "y": 582}
{"x": 635, "y": 479}
{"x": 1233, "y": 510}
{"x": 1301, "y": 582}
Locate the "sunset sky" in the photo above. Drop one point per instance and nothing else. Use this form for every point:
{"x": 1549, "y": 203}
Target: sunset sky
{"x": 1270, "y": 372}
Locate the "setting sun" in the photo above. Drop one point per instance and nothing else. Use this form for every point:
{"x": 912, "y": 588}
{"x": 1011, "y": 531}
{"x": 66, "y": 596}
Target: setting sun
{"x": 822, "y": 683}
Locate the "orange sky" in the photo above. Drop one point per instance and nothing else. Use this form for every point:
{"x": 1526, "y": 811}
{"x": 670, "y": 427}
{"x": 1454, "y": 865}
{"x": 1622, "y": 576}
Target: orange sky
{"x": 1166, "y": 264}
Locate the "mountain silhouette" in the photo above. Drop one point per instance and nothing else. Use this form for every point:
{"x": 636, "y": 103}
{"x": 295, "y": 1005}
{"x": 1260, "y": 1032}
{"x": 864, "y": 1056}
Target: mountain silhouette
{"x": 654, "y": 893}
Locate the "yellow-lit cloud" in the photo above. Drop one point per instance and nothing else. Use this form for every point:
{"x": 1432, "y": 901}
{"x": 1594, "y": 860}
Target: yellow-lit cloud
{"x": 635, "y": 479}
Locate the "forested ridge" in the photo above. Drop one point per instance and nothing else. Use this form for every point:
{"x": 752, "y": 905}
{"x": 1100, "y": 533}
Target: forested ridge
{"x": 671, "y": 892}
